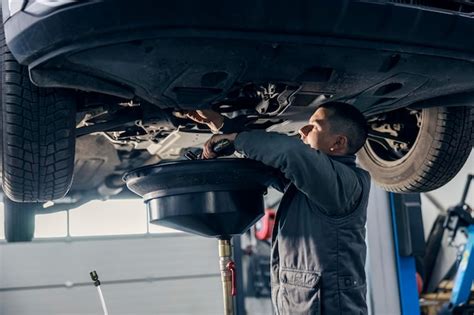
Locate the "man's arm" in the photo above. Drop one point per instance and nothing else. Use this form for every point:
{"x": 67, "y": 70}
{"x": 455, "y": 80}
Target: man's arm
{"x": 219, "y": 123}
{"x": 329, "y": 184}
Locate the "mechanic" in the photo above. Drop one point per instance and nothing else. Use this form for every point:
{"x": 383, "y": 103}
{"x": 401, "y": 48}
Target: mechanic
{"x": 318, "y": 242}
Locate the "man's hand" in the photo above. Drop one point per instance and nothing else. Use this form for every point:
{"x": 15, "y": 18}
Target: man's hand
{"x": 212, "y": 119}
{"x": 208, "y": 152}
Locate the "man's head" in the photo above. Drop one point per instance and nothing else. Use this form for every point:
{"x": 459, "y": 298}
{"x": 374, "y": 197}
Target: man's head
{"x": 335, "y": 128}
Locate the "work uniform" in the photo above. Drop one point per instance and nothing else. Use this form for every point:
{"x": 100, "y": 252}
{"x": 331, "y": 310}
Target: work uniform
{"x": 318, "y": 248}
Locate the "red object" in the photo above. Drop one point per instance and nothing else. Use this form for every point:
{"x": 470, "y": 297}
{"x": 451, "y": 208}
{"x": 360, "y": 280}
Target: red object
{"x": 264, "y": 228}
{"x": 419, "y": 283}
{"x": 231, "y": 267}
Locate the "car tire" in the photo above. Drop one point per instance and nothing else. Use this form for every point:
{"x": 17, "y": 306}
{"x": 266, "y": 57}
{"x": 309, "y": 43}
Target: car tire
{"x": 19, "y": 220}
{"x": 438, "y": 141}
{"x": 38, "y": 138}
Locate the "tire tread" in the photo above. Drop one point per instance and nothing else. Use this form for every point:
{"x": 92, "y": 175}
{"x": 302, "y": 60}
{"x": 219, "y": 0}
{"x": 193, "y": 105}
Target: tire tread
{"x": 38, "y": 140}
{"x": 451, "y": 147}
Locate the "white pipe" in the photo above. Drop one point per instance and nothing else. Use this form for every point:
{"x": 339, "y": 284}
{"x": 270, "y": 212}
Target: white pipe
{"x": 102, "y": 301}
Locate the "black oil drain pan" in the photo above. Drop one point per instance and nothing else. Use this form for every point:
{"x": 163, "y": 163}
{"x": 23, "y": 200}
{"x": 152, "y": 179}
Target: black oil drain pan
{"x": 214, "y": 198}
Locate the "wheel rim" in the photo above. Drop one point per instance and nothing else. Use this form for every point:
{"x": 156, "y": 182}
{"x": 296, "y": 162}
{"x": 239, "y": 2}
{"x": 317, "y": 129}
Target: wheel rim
{"x": 392, "y": 136}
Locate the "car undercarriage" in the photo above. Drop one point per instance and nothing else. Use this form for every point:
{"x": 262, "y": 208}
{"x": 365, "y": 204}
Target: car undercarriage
{"x": 87, "y": 99}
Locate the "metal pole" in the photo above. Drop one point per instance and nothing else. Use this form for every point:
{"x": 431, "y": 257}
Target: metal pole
{"x": 225, "y": 261}
{"x": 240, "y": 298}
{"x": 470, "y": 177}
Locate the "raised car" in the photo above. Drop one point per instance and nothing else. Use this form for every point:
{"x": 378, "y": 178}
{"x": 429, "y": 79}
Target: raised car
{"x": 92, "y": 89}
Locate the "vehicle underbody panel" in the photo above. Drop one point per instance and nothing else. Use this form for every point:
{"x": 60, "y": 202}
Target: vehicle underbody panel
{"x": 377, "y": 56}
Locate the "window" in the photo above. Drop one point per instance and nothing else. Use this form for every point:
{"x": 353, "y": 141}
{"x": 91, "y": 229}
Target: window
{"x": 96, "y": 218}
{"x": 51, "y": 225}
{"x": 111, "y": 217}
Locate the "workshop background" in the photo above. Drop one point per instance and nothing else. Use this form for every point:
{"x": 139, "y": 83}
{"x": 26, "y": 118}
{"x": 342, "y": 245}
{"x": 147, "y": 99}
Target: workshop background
{"x": 147, "y": 269}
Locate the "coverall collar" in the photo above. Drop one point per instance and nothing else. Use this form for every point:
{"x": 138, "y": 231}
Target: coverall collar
{"x": 346, "y": 159}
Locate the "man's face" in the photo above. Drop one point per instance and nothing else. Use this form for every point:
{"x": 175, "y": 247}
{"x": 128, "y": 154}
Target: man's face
{"x": 317, "y": 133}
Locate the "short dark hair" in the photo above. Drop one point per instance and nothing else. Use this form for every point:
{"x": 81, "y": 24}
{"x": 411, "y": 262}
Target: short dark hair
{"x": 349, "y": 121}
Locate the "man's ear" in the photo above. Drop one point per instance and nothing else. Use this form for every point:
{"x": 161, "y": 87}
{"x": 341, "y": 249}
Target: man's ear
{"x": 342, "y": 143}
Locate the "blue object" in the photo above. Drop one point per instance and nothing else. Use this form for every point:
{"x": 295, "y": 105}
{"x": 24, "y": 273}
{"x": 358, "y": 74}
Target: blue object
{"x": 465, "y": 274}
{"x": 406, "y": 271}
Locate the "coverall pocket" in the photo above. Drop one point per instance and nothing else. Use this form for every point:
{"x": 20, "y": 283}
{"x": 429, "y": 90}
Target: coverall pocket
{"x": 299, "y": 292}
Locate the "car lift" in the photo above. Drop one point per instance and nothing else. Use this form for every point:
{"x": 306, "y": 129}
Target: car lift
{"x": 394, "y": 237}
{"x": 460, "y": 218}
{"x": 409, "y": 242}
